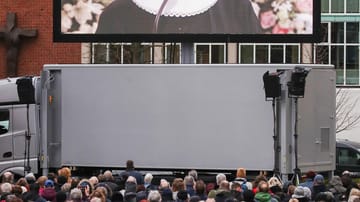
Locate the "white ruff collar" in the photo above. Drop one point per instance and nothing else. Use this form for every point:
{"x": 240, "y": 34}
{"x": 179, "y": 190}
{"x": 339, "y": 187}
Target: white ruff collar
{"x": 176, "y": 8}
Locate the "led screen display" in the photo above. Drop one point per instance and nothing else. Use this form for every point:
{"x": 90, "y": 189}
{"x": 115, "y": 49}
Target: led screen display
{"x": 186, "y": 20}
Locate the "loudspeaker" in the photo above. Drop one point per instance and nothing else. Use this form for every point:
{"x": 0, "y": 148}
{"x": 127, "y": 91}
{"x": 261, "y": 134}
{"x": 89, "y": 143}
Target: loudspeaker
{"x": 272, "y": 85}
{"x": 26, "y": 90}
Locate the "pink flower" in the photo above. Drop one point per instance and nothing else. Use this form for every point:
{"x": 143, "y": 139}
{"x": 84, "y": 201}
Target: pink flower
{"x": 304, "y": 6}
{"x": 267, "y": 19}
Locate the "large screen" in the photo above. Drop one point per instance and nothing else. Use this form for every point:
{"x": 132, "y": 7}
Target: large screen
{"x": 186, "y": 20}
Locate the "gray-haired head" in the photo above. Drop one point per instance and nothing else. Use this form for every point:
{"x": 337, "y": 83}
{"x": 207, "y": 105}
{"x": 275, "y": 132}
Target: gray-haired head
{"x": 148, "y": 178}
{"x": 220, "y": 177}
{"x": 154, "y": 196}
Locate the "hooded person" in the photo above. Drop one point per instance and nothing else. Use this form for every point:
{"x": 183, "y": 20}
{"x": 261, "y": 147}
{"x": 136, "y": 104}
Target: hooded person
{"x": 318, "y": 185}
{"x": 49, "y": 192}
{"x": 337, "y": 189}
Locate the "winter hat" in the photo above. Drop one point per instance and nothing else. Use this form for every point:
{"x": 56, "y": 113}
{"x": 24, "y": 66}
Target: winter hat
{"x": 307, "y": 192}
{"x": 299, "y": 192}
{"x": 30, "y": 178}
{"x": 212, "y": 194}
{"x": 319, "y": 179}
{"x": 49, "y": 183}
{"x": 310, "y": 174}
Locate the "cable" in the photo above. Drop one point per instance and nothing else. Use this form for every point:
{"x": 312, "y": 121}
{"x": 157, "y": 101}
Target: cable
{"x": 158, "y": 15}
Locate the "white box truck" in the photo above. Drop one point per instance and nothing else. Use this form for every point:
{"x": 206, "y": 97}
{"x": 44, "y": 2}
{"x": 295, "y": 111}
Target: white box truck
{"x": 166, "y": 117}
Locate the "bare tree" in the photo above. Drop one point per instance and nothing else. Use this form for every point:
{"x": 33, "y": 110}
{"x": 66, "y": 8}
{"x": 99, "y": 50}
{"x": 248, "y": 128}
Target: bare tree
{"x": 346, "y": 117}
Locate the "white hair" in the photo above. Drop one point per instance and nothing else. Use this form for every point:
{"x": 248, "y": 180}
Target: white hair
{"x": 148, "y": 178}
{"x": 189, "y": 180}
{"x": 6, "y": 187}
{"x": 154, "y": 196}
{"x": 220, "y": 177}
{"x": 75, "y": 194}
{"x": 131, "y": 179}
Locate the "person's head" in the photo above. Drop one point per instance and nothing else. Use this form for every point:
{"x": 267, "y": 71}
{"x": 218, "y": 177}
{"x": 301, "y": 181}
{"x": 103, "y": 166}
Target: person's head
{"x": 263, "y": 187}
{"x": 194, "y": 174}
{"x": 258, "y": 179}
{"x": 130, "y": 165}
{"x": 189, "y": 180}
{"x": 200, "y": 187}
{"x": 324, "y": 197}
{"x": 224, "y": 185}
{"x": 148, "y": 178}
{"x": 30, "y": 178}
{"x": 310, "y": 175}
{"x": 248, "y": 195}
{"x": 41, "y": 180}
{"x": 60, "y": 196}
{"x": 22, "y": 182}
{"x": 182, "y": 195}
{"x": 66, "y": 187}
{"x": 34, "y": 188}
{"x": 291, "y": 189}
{"x": 49, "y": 184}
{"x": 76, "y": 194}
{"x": 164, "y": 184}
{"x": 131, "y": 179}
{"x": 219, "y": 178}
{"x": 52, "y": 176}
{"x": 94, "y": 180}
{"x": 299, "y": 192}
{"x": 66, "y": 172}
{"x": 235, "y": 186}
{"x": 274, "y": 181}
{"x": 97, "y": 193}
{"x": 108, "y": 176}
{"x": 7, "y": 177}
{"x": 154, "y": 196}
{"x": 318, "y": 180}
{"x": 241, "y": 173}
{"x": 5, "y": 187}
{"x": 86, "y": 187}
{"x": 178, "y": 184}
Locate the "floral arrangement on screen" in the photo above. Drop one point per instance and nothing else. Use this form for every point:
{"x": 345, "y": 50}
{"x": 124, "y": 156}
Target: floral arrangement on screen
{"x": 285, "y": 16}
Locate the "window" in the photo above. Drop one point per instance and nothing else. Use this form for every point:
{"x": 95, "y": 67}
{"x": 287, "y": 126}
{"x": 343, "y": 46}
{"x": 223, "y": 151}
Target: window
{"x": 346, "y": 156}
{"x": 4, "y": 121}
{"x": 122, "y": 53}
{"x": 172, "y": 53}
{"x": 210, "y": 53}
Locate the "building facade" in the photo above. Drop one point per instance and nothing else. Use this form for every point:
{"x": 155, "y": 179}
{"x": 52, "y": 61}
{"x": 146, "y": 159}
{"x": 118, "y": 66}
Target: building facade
{"x": 36, "y": 51}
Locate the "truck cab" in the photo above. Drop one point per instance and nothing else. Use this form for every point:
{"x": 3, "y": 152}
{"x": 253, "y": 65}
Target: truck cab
{"x": 17, "y": 125}
{"x": 347, "y": 157}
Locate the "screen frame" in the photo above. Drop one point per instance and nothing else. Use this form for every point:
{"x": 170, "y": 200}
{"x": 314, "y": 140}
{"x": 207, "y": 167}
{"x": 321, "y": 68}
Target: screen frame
{"x": 315, "y": 37}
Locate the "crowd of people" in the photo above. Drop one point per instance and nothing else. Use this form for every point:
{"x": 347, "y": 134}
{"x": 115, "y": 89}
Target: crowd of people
{"x": 133, "y": 186}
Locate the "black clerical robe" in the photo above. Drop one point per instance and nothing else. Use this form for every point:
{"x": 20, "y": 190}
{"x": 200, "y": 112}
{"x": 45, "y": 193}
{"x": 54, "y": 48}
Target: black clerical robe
{"x": 225, "y": 17}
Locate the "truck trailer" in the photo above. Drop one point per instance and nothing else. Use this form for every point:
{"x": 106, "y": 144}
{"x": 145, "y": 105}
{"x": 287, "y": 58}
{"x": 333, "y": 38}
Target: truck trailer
{"x": 167, "y": 118}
